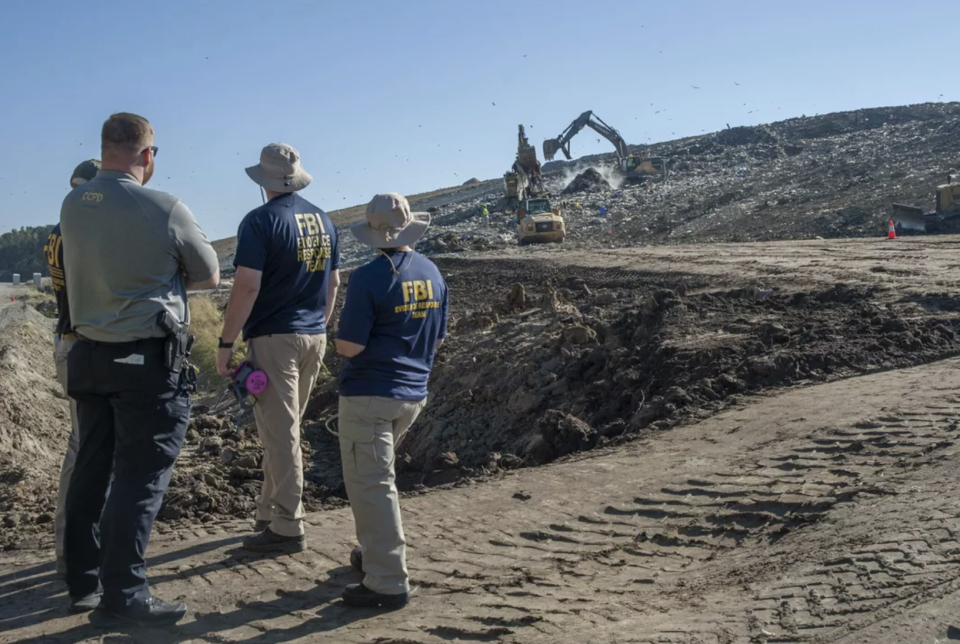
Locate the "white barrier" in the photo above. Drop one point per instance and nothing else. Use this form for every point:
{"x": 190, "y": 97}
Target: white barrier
{"x": 16, "y": 279}
{"x": 36, "y": 280}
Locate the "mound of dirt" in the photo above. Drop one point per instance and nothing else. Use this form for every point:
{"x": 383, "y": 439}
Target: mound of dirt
{"x": 563, "y": 364}
{"x": 219, "y": 472}
{"x": 34, "y": 423}
{"x": 472, "y": 182}
{"x": 587, "y": 181}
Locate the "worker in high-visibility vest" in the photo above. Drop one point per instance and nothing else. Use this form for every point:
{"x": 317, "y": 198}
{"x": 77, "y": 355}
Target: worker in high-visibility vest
{"x": 485, "y": 213}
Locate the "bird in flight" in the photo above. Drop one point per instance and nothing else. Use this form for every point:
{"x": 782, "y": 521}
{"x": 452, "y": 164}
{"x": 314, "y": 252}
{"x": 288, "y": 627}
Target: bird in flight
{"x": 492, "y": 103}
{"x": 736, "y": 83}
{"x": 694, "y": 87}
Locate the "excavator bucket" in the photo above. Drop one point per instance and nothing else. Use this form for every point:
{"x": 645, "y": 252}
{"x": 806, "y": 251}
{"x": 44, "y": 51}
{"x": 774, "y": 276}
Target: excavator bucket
{"x": 550, "y": 149}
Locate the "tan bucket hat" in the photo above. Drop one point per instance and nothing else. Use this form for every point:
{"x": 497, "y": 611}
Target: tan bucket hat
{"x": 390, "y": 224}
{"x": 279, "y": 169}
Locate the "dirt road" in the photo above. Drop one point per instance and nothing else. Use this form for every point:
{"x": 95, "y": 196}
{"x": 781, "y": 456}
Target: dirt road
{"x": 825, "y": 513}
{"x": 910, "y": 263}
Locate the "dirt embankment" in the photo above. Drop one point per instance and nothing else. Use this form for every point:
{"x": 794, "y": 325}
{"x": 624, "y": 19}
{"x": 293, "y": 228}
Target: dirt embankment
{"x": 547, "y": 358}
{"x": 569, "y": 359}
{"x": 34, "y": 422}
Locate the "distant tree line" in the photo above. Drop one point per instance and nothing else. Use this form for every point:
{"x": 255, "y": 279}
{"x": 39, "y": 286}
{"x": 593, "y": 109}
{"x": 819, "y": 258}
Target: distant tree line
{"x": 21, "y": 251}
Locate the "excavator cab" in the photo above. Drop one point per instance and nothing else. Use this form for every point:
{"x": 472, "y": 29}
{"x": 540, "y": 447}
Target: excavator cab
{"x": 948, "y": 196}
{"x": 639, "y": 169}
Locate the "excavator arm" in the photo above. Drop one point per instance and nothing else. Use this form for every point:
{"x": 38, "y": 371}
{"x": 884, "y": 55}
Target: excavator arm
{"x": 587, "y": 119}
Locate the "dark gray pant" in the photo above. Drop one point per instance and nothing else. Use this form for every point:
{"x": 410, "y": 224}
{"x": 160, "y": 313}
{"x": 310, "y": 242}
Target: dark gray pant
{"x": 133, "y": 415}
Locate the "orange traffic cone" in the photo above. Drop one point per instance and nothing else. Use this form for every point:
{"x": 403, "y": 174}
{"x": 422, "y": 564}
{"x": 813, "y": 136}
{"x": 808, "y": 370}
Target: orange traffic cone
{"x": 892, "y": 232}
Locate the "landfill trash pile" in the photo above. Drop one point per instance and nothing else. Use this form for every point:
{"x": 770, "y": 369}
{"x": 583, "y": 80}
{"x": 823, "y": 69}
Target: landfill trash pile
{"x": 828, "y": 176}
{"x": 588, "y": 180}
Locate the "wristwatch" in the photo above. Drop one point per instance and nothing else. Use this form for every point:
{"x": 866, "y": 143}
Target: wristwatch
{"x": 224, "y": 345}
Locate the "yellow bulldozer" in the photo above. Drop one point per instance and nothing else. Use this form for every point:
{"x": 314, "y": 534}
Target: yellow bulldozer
{"x": 945, "y": 218}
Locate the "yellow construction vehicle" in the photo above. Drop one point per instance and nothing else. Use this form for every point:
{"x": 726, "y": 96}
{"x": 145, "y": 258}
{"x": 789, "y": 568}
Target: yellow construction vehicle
{"x": 523, "y": 179}
{"x": 635, "y": 169}
{"x": 539, "y": 222}
{"x": 945, "y": 218}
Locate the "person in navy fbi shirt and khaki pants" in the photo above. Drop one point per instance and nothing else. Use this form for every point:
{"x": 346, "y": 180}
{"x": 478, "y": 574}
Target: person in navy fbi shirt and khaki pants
{"x": 393, "y": 321}
{"x": 285, "y": 288}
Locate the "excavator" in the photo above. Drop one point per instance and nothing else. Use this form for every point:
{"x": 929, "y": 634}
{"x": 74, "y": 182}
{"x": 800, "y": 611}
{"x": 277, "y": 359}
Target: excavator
{"x": 635, "y": 169}
{"x": 523, "y": 180}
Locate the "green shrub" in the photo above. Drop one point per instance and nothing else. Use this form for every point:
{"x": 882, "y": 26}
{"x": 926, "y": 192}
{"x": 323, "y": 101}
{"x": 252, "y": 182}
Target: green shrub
{"x": 206, "y": 322}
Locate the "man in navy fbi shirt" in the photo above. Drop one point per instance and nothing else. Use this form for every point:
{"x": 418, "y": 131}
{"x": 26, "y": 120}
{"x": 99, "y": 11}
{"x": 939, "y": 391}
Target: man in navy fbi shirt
{"x": 393, "y": 321}
{"x": 285, "y": 288}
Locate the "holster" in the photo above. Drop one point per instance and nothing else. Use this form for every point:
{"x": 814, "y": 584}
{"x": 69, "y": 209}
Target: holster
{"x": 179, "y": 342}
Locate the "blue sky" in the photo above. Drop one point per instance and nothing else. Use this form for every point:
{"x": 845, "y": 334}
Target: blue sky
{"x": 398, "y": 96}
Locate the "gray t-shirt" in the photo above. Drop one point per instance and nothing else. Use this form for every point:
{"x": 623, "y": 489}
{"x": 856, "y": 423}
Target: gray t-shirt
{"x": 126, "y": 250}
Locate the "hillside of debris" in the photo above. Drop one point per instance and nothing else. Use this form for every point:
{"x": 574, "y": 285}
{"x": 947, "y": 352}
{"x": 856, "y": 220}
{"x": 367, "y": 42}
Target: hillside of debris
{"x": 833, "y": 175}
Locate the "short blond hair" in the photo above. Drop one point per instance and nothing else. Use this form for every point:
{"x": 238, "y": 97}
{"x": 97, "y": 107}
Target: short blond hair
{"x": 125, "y": 131}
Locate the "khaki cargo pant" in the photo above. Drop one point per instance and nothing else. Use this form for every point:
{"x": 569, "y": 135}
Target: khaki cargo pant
{"x": 73, "y": 443}
{"x": 370, "y": 427}
{"x": 292, "y": 363}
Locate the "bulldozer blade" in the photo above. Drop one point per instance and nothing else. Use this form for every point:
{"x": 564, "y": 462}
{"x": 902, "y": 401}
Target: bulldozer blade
{"x": 909, "y": 217}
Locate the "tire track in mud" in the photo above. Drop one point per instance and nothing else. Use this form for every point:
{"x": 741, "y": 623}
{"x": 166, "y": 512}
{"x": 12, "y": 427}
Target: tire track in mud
{"x": 674, "y": 543}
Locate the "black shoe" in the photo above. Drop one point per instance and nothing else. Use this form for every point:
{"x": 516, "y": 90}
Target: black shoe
{"x": 260, "y": 526}
{"x": 356, "y": 559}
{"x": 270, "y": 541}
{"x": 62, "y": 567}
{"x": 152, "y": 612}
{"x": 86, "y": 603}
{"x": 359, "y": 596}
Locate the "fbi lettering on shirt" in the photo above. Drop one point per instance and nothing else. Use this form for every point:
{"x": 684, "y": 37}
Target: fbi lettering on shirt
{"x": 417, "y": 298}
{"x": 52, "y": 251}
{"x": 313, "y": 243}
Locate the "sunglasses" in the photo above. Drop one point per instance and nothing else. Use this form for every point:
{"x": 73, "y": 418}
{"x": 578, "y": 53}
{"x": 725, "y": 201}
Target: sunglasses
{"x": 152, "y": 148}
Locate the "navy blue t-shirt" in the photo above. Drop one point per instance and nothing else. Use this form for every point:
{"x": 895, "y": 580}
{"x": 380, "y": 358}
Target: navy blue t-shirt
{"x": 295, "y": 244}
{"x": 399, "y": 319}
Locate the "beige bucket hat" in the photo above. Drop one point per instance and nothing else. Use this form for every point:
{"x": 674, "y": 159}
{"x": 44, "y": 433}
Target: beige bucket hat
{"x": 390, "y": 224}
{"x": 279, "y": 169}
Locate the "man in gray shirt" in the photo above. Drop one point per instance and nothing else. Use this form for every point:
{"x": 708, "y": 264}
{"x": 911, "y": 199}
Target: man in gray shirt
{"x": 130, "y": 254}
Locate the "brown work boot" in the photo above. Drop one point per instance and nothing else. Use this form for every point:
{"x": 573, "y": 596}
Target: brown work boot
{"x": 270, "y": 541}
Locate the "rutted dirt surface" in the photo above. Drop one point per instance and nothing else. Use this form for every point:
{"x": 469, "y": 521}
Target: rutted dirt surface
{"x": 821, "y": 514}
